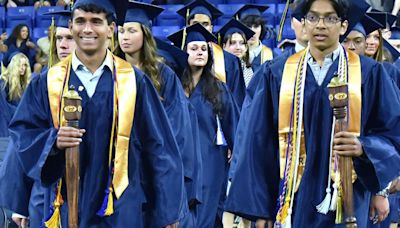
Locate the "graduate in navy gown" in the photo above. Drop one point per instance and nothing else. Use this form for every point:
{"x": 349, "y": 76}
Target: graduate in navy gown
{"x": 20, "y": 193}
{"x": 13, "y": 82}
{"x": 139, "y": 48}
{"x": 251, "y": 15}
{"x": 375, "y": 154}
{"x": 143, "y": 164}
{"x": 217, "y": 115}
{"x": 227, "y": 66}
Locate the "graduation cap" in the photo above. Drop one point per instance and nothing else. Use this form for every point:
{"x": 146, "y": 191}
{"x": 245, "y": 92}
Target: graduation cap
{"x": 174, "y": 57}
{"x": 235, "y": 26}
{"x": 140, "y": 12}
{"x": 395, "y": 53}
{"x": 107, "y": 5}
{"x": 297, "y": 9}
{"x": 194, "y": 32}
{"x": 358, "y": 9}
{"x": 386, "y": 19}
{"x": 199, "y": 7}
{"x": 63, "y": 17}
{"x": 395, "y": 33}
{"x": 250, "y": 9}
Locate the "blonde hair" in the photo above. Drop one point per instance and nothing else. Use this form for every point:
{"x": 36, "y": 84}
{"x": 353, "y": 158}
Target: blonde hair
{"x": 16, "y": 83}
{"x": 53, "y": 48}
{"x": 149, "y": 58}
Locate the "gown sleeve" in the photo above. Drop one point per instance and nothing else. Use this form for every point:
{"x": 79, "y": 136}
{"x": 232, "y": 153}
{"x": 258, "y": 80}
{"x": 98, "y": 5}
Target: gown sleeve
{"x": 164, "y": 170}
{"x": 33, "y": 133}
{"x": 380, "y": 136}
{"x": 256, "y": 178}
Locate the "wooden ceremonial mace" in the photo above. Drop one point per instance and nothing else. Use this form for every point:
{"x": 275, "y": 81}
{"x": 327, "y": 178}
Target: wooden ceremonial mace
{"x": 338, "y": 97}
{"x": 72, "y": 114}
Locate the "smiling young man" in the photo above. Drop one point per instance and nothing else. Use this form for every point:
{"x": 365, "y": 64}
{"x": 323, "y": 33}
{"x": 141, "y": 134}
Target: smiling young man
{"x": 138, "y": 167}
{"x": 296, "y": 176}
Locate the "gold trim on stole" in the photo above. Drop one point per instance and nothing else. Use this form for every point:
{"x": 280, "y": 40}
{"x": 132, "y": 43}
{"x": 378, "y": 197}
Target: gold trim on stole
{"x": 126, "y": 82}
{"x": 266, "y": 54}
{"x": 126, "y": 93}
{"x": 219, "y": 62}
{"x": 285, "y": 105}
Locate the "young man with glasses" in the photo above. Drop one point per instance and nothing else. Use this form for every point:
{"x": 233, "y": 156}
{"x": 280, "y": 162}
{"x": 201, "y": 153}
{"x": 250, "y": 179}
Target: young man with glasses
{"x": 291, "y": 104}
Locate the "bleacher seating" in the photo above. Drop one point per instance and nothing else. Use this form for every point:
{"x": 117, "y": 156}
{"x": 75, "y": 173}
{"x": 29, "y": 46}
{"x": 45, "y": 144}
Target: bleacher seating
{"x": 228, "y": 10}
{"x": 45, "y": 20}
{"x": 39, "y": 33}
{"x": 169, "y": 16}
{"x": 166, "y": 23}
{"x": 2, "y": 17}
{"x": 162, "y": 32}
{"x": 18, "y": 15}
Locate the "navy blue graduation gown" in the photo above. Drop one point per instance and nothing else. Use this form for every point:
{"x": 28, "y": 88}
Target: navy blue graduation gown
{"x": 393, "y": 72}
{"x": 257, "y": 62}
{"x": 154, "y": 166}
{"x": 214, "y": 157}
{"x": 7, "y": 110}
{"x": 254, "y": 190}
{"x": 234, "y": 77}
{"x": 177, "y": 108}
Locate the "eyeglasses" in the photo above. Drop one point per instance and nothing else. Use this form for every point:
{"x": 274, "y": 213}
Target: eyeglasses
{"x": 329, "y": 21}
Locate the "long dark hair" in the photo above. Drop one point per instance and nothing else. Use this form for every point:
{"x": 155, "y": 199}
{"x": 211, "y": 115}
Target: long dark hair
{"x": 16, "y": 33}
{"x": 211, "y": 90}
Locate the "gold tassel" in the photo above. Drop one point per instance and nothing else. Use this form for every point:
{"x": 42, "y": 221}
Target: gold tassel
{"x": 52, "y": 31}
{"x": 339, "y": 207}
{"x": 219, "y": 39}
{"x": 110, "y": 203}
{"x": 282, "y": 22}
{"x": 183, "y": 38}
{"x": 112, "y": 43}
{"x": 54, "y": 221}
{"x": 187, "y": 17}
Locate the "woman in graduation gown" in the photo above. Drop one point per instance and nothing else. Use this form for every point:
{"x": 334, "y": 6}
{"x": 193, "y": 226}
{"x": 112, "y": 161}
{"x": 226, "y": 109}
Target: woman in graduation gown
{"x": 217, "y": 115}
{"x": 234, "y": 37}
{"x": 257, "y": 135}
{"x": 13, "y": 82}
{"x": 139, "y": 48}
{"x": 251, "y": 16}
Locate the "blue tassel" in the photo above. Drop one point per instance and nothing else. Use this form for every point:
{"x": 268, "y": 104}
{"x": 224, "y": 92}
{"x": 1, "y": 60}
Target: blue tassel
{"x": 220, "y": 138}
{"x": 107, "y": 207}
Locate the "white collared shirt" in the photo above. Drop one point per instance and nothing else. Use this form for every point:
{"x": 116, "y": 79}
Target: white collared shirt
{"x": 253, "y": 53}
{"x": 298, "y": 47}
{"x": 88, "y": 79}
{"x": 318, "y": 71}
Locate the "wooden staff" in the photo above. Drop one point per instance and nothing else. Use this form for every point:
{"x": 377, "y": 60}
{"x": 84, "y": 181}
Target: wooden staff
{"x": 72, "y": 113}
{"x": 338, "y": 97}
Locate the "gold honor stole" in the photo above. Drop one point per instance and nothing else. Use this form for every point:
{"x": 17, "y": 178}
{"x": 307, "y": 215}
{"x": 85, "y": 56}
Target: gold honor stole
{"x": 266, "y": 54}
{"x": 219, "y": 62}
{"x": 126, "y": 92}
{"x": 285, "y": 107}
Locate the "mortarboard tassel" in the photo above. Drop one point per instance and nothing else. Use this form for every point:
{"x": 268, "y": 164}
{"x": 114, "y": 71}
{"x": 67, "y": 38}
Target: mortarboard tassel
{"x": 107, "y": 207}
{"x": 339, "y": 208}
{"x": 283, "y": 18}
{"x": 187, "y": 17}
{"x": 113, "y": 42}
{"x": 54, "y": 219}
{"x": 219, "y": 39}
{"x": 183, "y": 38}
{"x": 52, "y": 31}
{"x": 220, "y": 138}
